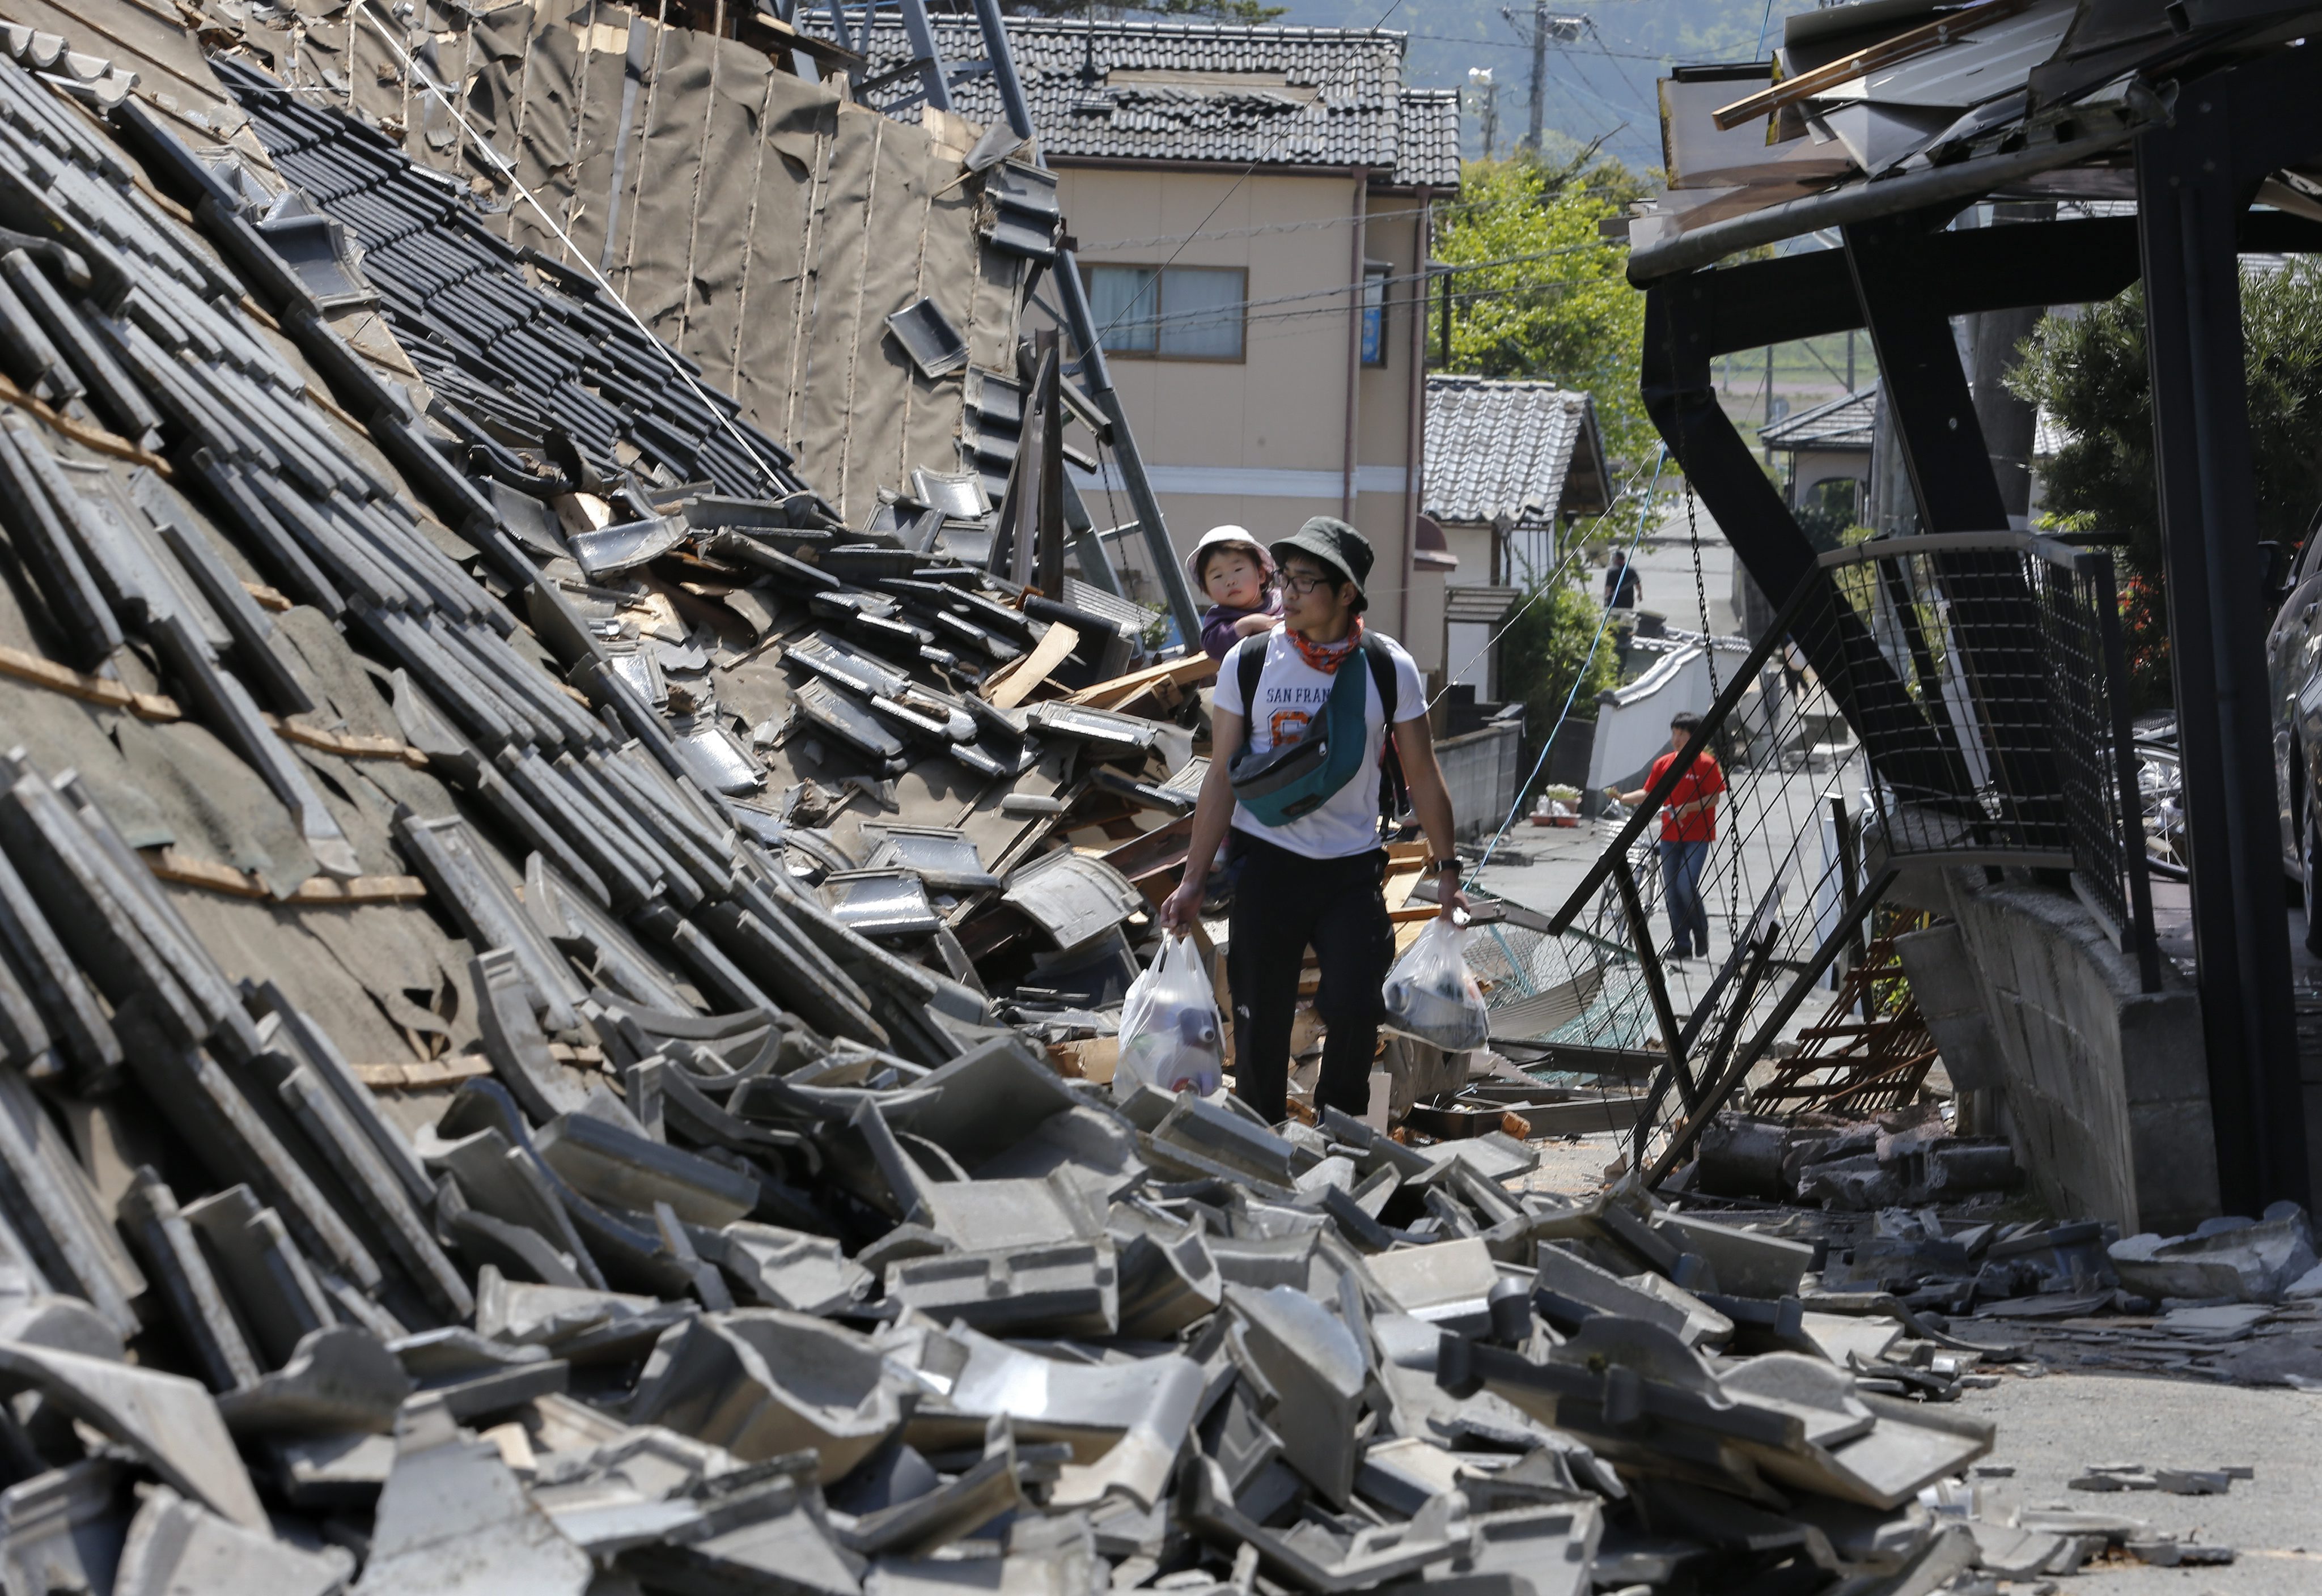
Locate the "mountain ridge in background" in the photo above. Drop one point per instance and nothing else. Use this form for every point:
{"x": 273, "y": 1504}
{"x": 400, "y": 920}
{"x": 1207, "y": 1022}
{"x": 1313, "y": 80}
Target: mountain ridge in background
{"x": 1599, "y": 84}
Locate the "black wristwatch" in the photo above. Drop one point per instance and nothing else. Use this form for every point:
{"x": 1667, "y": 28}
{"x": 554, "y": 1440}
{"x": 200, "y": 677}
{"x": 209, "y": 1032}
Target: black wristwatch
{"x": 1436, "y": 867}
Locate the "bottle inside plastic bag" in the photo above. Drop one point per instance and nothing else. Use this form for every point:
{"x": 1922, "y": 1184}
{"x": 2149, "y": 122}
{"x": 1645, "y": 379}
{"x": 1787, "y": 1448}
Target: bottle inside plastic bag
{"x": 1432, "y": 996}
{"x": 1170, "y": 1034}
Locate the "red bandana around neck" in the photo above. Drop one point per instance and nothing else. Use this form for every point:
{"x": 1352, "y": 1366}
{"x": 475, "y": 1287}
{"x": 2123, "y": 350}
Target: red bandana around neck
{"x": 1327, "y": 657}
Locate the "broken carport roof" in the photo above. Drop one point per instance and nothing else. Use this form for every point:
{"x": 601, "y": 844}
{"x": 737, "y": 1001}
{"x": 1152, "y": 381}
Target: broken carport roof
{"x": 1893, "y": 105}
{"x": 2205, "y": 115}
{"x": 523, "y": 1171}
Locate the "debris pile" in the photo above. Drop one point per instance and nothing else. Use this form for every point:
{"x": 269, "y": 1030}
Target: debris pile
{"x": 1907, "y": 1156}
{"x": 2234, "y": 1259}
{"x": 2015, "y": 1541}
{"x": 731, "y": 1226}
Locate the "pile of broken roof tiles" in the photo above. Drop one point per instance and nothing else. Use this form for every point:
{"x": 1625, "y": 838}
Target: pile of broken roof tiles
{"x": 750, "y": 1253}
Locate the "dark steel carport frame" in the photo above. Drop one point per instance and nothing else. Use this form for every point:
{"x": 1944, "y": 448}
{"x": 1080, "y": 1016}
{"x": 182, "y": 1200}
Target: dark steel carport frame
{"x": 1900, "y": 274}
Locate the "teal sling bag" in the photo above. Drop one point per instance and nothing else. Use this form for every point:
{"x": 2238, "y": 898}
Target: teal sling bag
{"x": 1294, "y": 779}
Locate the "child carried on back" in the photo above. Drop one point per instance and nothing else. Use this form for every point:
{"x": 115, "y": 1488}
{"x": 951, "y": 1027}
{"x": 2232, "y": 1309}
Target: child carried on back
{"x": 1235, "y": 574}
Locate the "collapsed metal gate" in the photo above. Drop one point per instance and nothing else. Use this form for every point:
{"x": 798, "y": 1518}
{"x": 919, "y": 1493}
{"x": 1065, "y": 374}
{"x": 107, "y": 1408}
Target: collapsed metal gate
{"x": 1952, "y": 699}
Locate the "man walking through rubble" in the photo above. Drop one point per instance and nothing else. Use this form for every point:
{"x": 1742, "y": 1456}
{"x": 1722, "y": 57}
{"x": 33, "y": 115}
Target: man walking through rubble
{"x": 1294, "y": 769}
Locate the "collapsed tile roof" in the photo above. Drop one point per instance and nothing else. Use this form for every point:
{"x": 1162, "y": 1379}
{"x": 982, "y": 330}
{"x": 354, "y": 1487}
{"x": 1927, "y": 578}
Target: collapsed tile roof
{"x": 1209, "y": 92}
{"x": 503, "y": 353}
{"x": 1528, "y": 451}
{"x": 759, "y": 224}
{"x": 499, "y": 942}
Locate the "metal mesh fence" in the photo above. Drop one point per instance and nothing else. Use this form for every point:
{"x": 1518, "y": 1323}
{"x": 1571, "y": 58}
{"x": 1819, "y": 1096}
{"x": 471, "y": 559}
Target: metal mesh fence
{"x": 1601, "y": 1003}
{"x": 1942, "y": 699}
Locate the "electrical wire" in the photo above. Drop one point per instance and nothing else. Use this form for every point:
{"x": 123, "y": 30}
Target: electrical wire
{"x": 1541, "y": 591}
{"x": 1435, "y": 207}
{"x": 1539, "y": 285}
{"x": 1555, "y": 579}
{"x": 1234, "y": 188}
{"x": 1619, "y": 70}
{"x": 1593, "y": 644}
{"x": 1635, "y": 55}
{"x": 1218, "y": 312}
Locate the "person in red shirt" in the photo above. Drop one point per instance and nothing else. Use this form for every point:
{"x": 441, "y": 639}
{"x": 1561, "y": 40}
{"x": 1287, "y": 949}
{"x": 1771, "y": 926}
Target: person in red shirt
{"x": 1688, "y": 826}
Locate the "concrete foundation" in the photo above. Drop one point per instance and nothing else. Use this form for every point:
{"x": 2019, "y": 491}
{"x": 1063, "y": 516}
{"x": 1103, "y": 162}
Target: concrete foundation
{"x": 2102, "y": 1088}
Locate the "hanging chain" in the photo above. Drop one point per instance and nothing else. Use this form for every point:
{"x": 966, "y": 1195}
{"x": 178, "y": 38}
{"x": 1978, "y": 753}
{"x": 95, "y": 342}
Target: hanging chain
{"x": 1700, "y": 587}
{"x": 1709, "y": 652}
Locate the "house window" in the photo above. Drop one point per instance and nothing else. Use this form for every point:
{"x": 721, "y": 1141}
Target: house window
{"x": 1171, "y": 313}
{"x": 1374, "y": 275}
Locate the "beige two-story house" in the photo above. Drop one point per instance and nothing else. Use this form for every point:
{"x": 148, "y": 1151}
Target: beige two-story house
{"x": 1251, "y": 207}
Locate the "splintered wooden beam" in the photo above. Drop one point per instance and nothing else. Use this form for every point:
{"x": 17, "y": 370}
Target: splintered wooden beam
{"x": 1120, "y": 691}
{"x": 36, "y": 671}
{"x": 1920, "y": 40}
{"x": 350, "y": 745}
{"x": 1013, "y": 682}
{"x": 449, "y": 1071}
{"x": 316, "y": 891}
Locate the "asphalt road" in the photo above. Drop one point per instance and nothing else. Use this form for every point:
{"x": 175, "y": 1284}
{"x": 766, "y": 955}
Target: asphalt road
{"x": 2051, "y": 1429}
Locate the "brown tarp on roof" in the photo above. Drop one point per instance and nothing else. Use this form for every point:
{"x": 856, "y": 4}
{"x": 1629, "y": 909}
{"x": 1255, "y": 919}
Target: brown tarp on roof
{"x": 758, "y": 223}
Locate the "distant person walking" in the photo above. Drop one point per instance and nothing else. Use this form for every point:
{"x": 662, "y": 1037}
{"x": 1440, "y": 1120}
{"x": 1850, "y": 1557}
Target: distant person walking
{"x": 1622, "y": 586}
{"x": 1688, "y": 826}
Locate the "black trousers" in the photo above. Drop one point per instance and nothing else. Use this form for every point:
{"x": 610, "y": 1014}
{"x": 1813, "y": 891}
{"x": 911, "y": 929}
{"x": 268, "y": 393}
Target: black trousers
{"x": 1284, "y": 904}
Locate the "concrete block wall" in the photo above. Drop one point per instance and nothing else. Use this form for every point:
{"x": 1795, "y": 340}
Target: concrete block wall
{"x": 2102, "y": 1088}
{"x": 1481, "y": 770}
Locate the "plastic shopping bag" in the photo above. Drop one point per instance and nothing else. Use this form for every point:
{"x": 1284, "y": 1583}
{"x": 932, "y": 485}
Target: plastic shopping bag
{"x": 1432, "y": 996}
{"x": 1170, "y": 1035}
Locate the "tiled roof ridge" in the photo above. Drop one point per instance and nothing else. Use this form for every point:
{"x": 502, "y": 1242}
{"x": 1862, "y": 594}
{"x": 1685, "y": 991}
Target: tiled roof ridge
{"x": 1176, "y": 29}
{"x": 1346, "y": 102}
{"x": 1468, "y": 380}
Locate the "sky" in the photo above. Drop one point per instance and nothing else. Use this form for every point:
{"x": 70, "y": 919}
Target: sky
{"x": 1599, "y": 83}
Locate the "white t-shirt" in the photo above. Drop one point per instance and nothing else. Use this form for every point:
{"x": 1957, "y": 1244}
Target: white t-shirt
{"x": 1290, "y": 694}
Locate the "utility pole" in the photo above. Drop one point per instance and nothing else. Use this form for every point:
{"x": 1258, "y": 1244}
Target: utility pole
{"x": 1768, "y": 418}
{"x": 1096, "y": 375}
{"x": 1538, "y": 70}
{"x": 1544, "y": 26}
{"x": 1480, "y": 78}
{"x": 1849, "y": 359}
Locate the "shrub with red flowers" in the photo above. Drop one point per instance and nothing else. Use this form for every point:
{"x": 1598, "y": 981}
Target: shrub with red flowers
{"x": 2144, "y": 637}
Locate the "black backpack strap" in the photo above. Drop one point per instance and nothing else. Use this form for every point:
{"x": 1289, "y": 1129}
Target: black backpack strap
{"x": 1253, "y": 666}
{"x": 1382, "y": 665}
{"x": 1393, "y": 789}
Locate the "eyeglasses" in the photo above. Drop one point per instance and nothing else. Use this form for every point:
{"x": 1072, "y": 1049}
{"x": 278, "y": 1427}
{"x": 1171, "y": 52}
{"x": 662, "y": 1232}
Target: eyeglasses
{"x": 1303, "y": 585}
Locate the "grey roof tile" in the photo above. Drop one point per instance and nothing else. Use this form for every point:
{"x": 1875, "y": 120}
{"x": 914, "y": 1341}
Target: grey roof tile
{"x": 1528, "y": 451}
{"x": 1430, "y": 138}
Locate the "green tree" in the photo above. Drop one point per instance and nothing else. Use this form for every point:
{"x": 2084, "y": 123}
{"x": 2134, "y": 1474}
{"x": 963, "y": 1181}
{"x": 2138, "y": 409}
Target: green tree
{"x": 2088, "y": 372}
{"x": 1543, "y": 293}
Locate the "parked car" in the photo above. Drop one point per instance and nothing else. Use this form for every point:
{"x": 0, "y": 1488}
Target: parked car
{"x": 2293, "y": 657}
